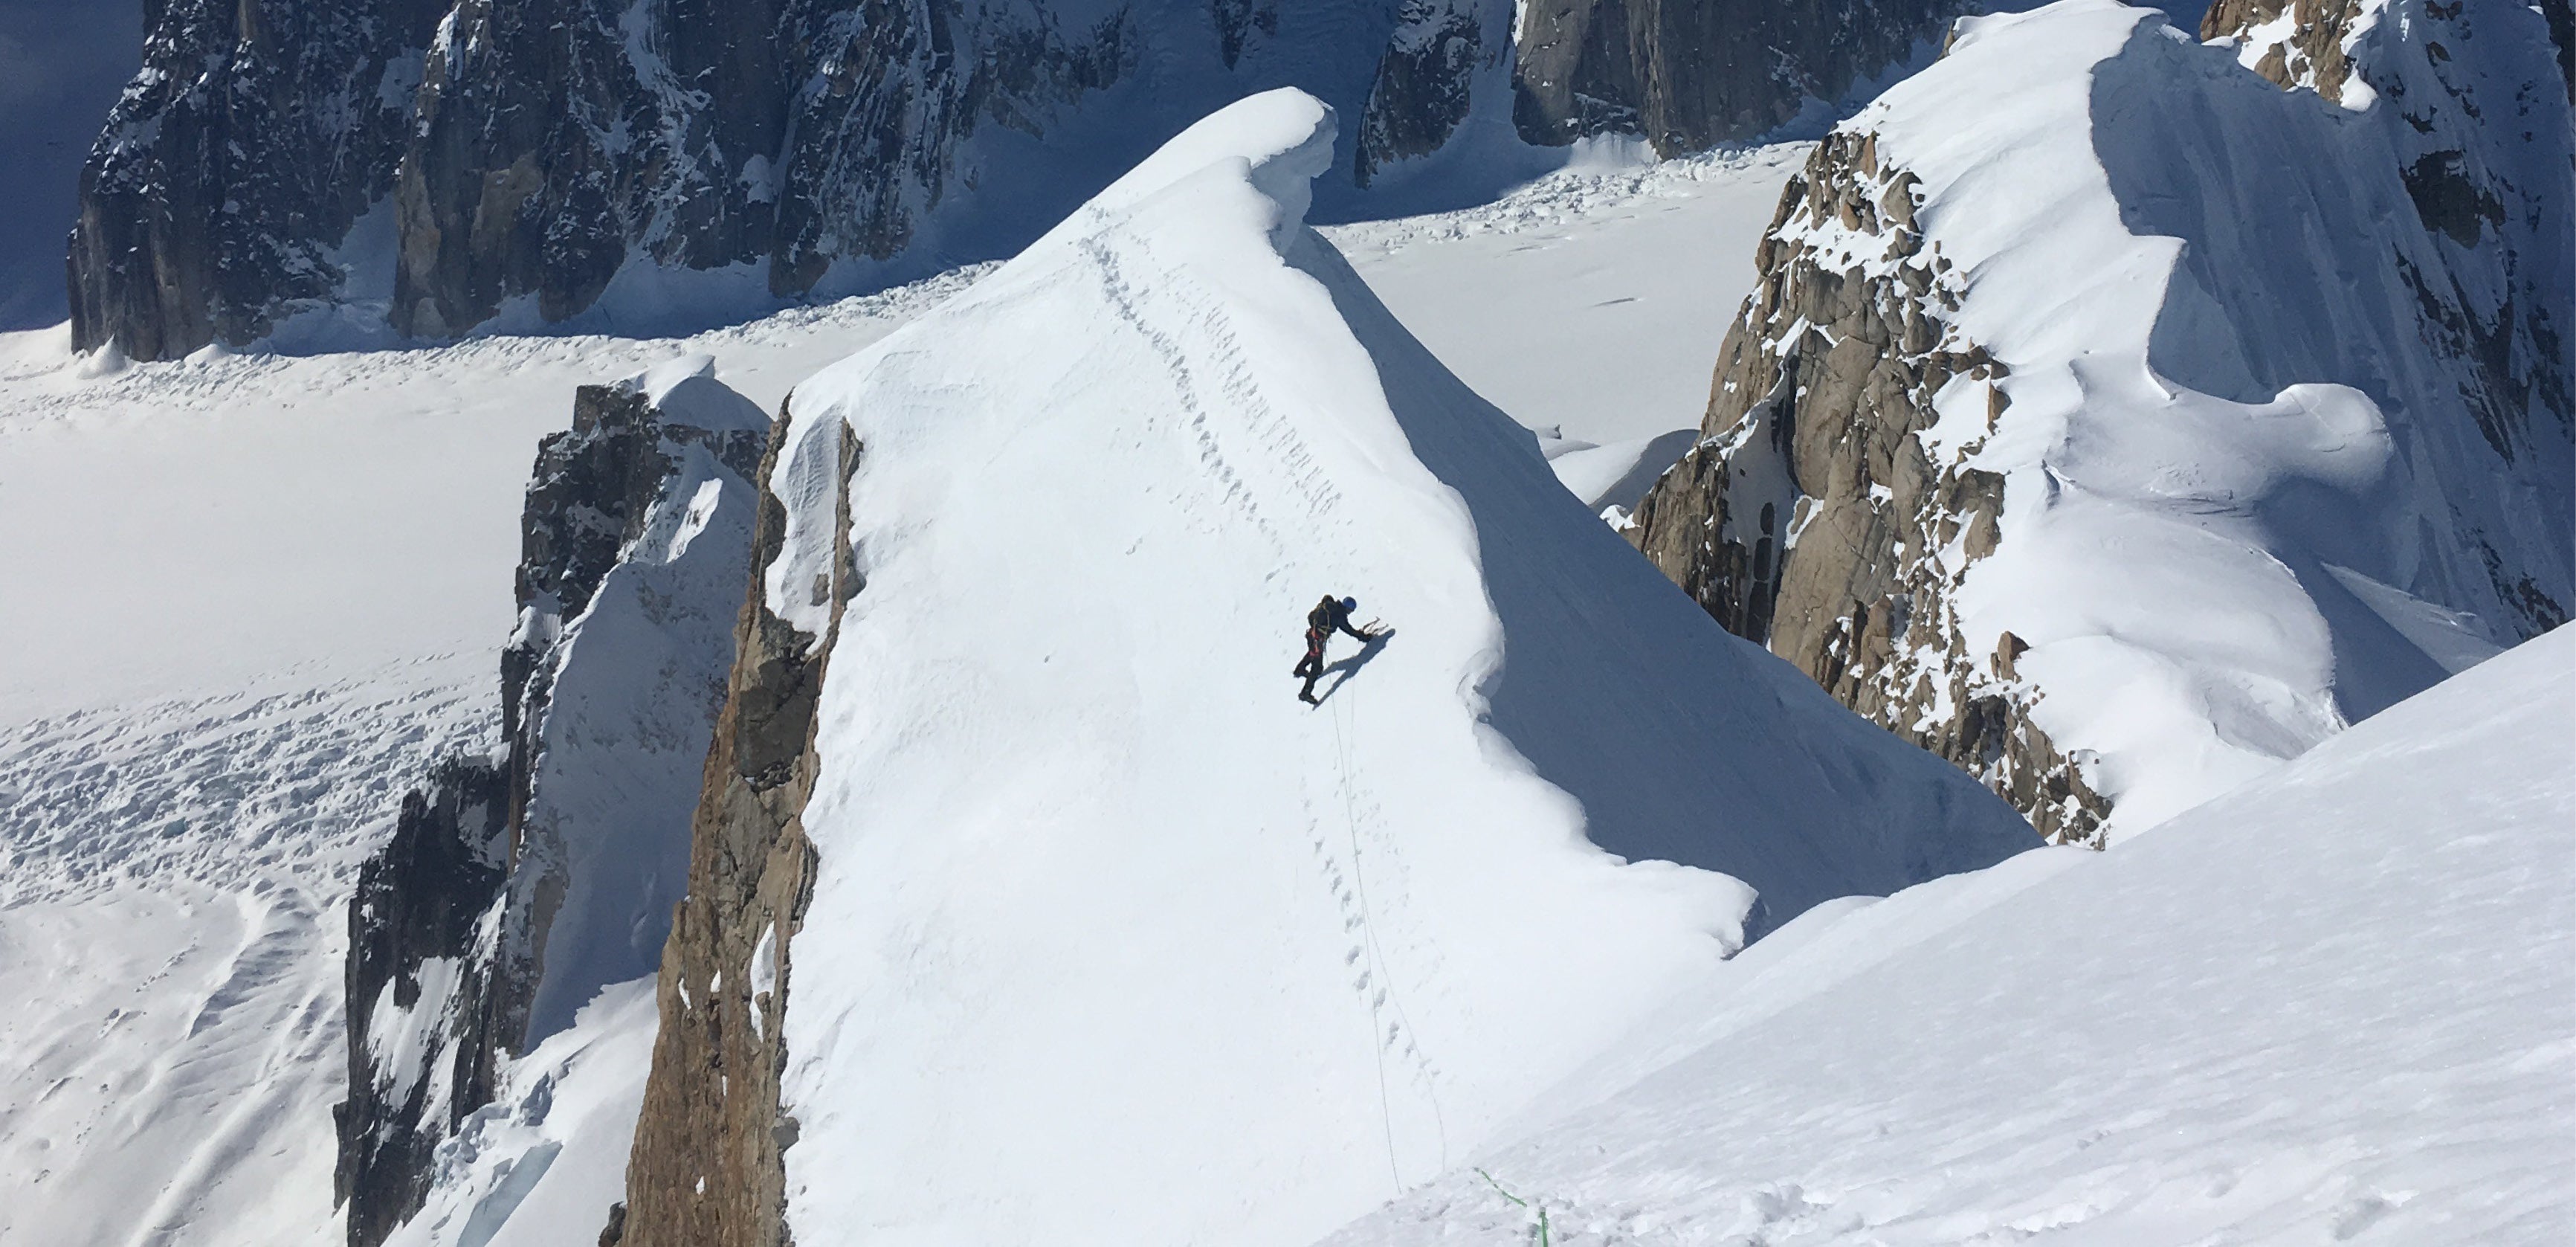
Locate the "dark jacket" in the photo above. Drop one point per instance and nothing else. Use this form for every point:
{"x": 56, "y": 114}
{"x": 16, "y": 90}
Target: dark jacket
{"x": 1327, "y": 616}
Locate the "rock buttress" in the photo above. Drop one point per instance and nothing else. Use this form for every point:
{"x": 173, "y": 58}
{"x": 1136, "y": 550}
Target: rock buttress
{"x": 1810, "y": 518}
{"x": 1689, "y": 74}
{"x": 706, "y": 1169}
{"x": 412, "y": 924}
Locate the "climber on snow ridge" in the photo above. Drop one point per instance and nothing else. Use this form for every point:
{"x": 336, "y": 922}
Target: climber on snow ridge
{"x": 1330, "y": 614}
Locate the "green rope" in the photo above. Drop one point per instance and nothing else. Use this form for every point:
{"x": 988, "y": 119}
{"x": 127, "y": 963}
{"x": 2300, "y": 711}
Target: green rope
{"x": 1542, "y": 1210}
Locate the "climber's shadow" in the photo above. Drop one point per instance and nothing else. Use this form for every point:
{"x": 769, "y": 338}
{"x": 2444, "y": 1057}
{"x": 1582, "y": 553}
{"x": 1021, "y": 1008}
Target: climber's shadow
{"x": 1339, "y": 673}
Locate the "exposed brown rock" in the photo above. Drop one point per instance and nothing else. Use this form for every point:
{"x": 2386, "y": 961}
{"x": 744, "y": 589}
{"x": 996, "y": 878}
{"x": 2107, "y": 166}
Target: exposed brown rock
{"x": 2312, "y": 55}
{"x": 1812, "y": 518}
{"x": 707, "y": 1167}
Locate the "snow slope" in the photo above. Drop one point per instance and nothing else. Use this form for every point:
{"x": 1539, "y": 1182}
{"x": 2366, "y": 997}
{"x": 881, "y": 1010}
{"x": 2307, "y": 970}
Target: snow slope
{"x": 541, "y": 1164}
{"x": 1122, "y": 943}
{"x": 2337, "y": 1004}
{"x": 1591, "y": 300}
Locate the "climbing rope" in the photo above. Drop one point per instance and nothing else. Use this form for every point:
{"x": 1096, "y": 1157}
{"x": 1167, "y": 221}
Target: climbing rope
{"x": 1377, "y": 957}
{"x": 1368, "y": 933}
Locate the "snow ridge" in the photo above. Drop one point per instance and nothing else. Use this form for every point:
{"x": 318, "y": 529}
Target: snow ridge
{"x": 1060, "y": 764}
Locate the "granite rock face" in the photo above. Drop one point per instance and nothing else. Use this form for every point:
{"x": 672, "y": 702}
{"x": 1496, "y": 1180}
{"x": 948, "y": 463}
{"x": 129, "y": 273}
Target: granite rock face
{"x": 250, "y": 143}
{"x": 1689, "y": 74}
{"x": 706, "y": 1169}
{"x": 1442, "y": 55}
{"x": 1822, "y": 383}
{"x": 518, "y": 886}
{"x": 455, "y": 162}
{"x": 524, "y": 154}
{"x": 412, "y": 924}
{"x": 554, "y": 141}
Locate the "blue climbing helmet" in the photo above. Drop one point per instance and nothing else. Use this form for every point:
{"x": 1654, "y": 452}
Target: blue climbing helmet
{"x": 1349, "y": 605}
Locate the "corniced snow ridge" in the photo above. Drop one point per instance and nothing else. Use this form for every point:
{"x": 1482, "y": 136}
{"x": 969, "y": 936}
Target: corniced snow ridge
{"x": 1088, "y": 929}
{"x": 2117, "y": 423}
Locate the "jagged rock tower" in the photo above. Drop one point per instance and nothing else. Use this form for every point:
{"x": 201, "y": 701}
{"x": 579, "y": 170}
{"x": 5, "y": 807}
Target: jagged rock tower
{"x": 517, "y": 885}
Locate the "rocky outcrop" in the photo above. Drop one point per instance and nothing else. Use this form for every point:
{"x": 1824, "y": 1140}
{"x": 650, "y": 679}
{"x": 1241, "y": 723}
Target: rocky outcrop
{"x": 1811, "y": 518}
{"x": 555, "y": 141}
{"x": 2302, "y": 40}
{"x": 1426, "y": 82}
{"x": 1846, "y": 504}
{"x": 515, "y": 158}
{"x": 706, "y": 1170}
{"x": 249, "y": 143}
{"x": 1689, "y": 74}
{"x": 516, "y": 887}
{"x": 419, "y": 1062}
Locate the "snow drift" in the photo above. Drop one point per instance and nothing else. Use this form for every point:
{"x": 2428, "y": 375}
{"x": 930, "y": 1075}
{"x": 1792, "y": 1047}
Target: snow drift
{"x": 1111, "y": 939}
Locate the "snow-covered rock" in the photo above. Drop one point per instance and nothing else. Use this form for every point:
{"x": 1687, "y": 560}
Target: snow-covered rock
{"x": 2336, "y": 1004}
{"x": 518, "y": 886}
{"x": 448, "y": 164}
{"x": 1056, "y": 917}
{"x": 2117, "y": 424}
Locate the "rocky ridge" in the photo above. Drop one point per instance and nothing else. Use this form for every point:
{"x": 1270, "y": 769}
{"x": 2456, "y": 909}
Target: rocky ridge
{"x": 511, "y": 881}
{"x": 1809, "y": 446}
{"x": 509, "y": 162}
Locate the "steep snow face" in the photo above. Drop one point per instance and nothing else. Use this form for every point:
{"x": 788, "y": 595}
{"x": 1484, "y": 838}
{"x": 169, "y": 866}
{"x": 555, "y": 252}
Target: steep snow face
{"x": 541, "y": 1165}
{"x": 1112, "y": 938}
{"x": 2336, "y": 1004}
{"x": 2251, "y": 397}
{"x": 633, "y": 689}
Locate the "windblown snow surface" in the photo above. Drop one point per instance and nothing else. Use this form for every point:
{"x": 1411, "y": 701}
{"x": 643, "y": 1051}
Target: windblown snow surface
{"x": 2337, "y": 1004}
{"x": 1114, "y": 940}
{"x": 173, "y": 887}
{"x": 2248, "y": 500}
